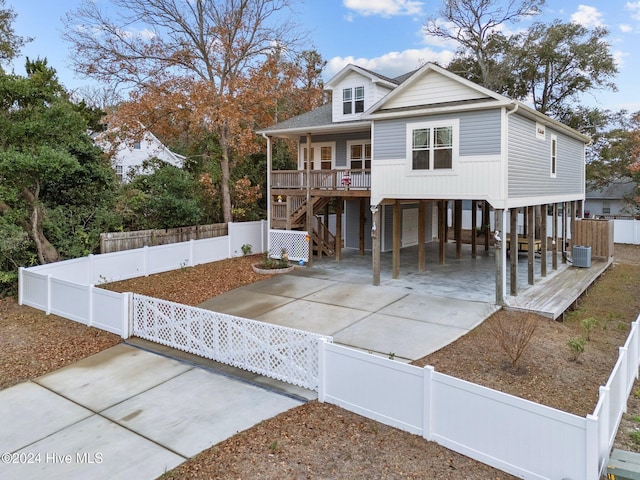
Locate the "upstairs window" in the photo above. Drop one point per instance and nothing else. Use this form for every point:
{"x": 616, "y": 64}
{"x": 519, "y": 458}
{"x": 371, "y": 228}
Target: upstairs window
{"x": 432, "y": 148}
{"x": 554, "y": 155}
{"x": 352, "y": 100}
{"x": 120, "y": 173}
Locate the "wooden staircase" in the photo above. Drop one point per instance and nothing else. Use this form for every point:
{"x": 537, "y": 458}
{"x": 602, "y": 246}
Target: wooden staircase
{"x": 323, "y": 241}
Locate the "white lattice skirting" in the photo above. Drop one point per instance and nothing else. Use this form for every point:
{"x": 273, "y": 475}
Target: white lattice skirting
{"x": 282, "y": 353}
{"x": 293, "y": 242}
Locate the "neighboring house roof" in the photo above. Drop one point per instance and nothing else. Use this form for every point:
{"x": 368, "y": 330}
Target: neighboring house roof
{"x": 614, "y": 191}
{"x": 127, "y": 154}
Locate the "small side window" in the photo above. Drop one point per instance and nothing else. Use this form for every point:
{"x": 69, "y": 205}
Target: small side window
{"x": 554, "y": 156}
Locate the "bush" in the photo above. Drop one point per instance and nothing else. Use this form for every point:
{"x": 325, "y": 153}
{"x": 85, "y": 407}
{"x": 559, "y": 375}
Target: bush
{"x": 513, "y": 333}
{"x": 577, "y": 345}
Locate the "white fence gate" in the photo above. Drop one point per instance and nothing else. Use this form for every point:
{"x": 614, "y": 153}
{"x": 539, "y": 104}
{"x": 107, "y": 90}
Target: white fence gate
{"x": 277, "y": 352}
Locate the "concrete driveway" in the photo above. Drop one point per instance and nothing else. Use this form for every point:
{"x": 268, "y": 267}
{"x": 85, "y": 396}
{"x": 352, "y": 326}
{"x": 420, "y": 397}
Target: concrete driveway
{"x": 124, "y": 413}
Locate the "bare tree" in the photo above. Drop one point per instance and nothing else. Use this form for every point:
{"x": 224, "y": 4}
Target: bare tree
{"x": 475, "y": 26}
{"x": 208, "y": 46}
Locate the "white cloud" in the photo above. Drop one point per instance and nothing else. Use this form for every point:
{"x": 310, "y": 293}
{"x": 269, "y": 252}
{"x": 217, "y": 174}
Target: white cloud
{"x": 587, "y": 16}
{"x": 391, "y": 64}
{"x": 385, "y": 8}
{"x": 624, "y": 28}
{"x": 634, "y": 8}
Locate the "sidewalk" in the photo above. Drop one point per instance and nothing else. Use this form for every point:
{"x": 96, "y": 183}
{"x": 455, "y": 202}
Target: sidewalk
{"x": 124, "y": 413}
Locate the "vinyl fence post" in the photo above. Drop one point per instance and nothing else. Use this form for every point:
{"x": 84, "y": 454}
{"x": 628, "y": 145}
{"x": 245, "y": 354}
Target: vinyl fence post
{"x": 145, "y": 260}
{"x": 427, "y": 376}
{"x": 322, "y": 345}
{"x": 592, "y": 454}
{"x": 192, "y": 247}
{"x": 127, "y": 315}
{"x": 20, "y": 285}
{"x": 90, "y": 279}
{"x": 48, "y": 308}
{"x": 91, "y": 293}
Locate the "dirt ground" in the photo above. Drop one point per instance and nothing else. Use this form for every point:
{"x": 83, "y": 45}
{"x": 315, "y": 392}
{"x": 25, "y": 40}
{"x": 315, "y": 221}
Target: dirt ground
{"x": 322, "y": 441}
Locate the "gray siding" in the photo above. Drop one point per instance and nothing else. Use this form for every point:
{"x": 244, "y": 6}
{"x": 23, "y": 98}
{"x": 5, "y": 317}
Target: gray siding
{"x": 479, "y": 134}
{"x": 529, "y": 161}
{"x": 341, "y": 143}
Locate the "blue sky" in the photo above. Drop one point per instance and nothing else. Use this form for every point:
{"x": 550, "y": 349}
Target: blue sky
{"x": 382, "y": 35}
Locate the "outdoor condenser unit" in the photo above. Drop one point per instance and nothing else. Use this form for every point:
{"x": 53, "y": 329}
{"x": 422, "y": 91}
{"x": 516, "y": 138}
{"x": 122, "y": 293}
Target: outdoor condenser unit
{"x": 581, "y": 256}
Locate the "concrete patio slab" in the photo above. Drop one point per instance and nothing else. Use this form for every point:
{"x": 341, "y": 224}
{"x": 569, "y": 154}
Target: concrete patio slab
{"x": 313, "y": 317}
{"x": 245, "y": 303}
{"x": 362, "y": 297}
{"x": 29, "y": 412}
{"x": 290, "y": 286}
{"x": 111, "y": 376}
{"x": 191, "y": 413}
{"x": 94, "y": 448}
{"x": 441, "y": 311}
{"x": 404, "y": 338}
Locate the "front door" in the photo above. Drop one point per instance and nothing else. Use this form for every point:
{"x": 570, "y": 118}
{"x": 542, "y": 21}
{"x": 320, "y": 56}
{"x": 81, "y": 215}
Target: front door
{"x": 322, "y": 155}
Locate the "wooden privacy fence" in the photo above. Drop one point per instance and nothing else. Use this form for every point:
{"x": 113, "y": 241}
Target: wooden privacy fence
{"x": 597, "y": 234}
{"x": 119, "y": 241}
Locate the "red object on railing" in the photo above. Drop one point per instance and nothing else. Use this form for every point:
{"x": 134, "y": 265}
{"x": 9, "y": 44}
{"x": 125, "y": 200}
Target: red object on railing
{"x": 346, "y": 180}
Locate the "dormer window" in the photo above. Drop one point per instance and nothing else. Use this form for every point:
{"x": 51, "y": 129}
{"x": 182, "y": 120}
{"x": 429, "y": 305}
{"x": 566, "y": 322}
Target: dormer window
{"x": 352, "y": 100}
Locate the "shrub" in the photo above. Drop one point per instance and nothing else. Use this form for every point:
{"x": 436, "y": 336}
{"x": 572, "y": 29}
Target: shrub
{"x": 576, "y": 345}
{"x": 513, "y": 333}
{"x": 588, "y": 324}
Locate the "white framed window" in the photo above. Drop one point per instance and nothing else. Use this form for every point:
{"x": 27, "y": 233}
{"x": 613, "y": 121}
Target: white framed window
{"x": 359, "y": 154}
{"x": 432, "y": 146}
{"x": 352, "y": 100}
{"x": 120, "y": 172}
{"x": 554, "y": 156}
{"x": 322, "y": 156}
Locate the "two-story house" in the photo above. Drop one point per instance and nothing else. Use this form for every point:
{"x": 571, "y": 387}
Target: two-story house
{"x": 395, "y": 153}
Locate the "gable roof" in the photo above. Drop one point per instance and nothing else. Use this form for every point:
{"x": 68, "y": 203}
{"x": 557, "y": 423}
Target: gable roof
{"x": 371, "y": 75}
{"x": 466, "y": 95}
{"x": 402, "y": 101}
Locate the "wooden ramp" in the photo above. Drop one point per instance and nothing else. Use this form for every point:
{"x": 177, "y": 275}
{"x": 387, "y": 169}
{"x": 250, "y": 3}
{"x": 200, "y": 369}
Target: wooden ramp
{"x": 551, "y": 296}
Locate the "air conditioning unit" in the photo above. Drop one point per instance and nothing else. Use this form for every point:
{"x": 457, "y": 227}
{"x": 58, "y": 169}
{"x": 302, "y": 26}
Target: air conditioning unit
{"x": 581, "y": 256}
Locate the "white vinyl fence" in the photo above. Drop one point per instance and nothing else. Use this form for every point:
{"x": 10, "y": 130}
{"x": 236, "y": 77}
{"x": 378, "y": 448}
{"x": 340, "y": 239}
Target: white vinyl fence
{"x": 67, "y": 288}
{"x": 520, "y": 437}
{"x": 277, "y": 352}
{"x": 517, "y": 436}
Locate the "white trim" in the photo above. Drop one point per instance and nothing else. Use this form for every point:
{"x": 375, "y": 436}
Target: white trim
{"x": 553, "y": 156}
{"x": 455, "y": 147}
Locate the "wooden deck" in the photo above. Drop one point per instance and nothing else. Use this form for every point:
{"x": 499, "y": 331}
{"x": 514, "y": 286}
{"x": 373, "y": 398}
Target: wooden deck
{"x": 553, "y": 295}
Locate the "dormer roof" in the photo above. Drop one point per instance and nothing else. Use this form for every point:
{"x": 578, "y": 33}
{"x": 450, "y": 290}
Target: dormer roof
{"x": 372, "y": 76}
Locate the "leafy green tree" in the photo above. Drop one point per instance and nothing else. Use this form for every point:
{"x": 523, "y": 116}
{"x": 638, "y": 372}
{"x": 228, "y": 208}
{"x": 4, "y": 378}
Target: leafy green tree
{"x": 164, "y": 198}
{"x": 10, "y": 43}
{"x": 48, "y": 164}
{"x": 554, "y": 64}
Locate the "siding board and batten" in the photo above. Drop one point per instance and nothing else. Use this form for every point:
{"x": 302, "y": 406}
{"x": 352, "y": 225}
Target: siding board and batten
{"x": 433, "y": 88}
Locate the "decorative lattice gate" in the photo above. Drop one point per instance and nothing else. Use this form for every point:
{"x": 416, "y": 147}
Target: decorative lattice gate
{"x": 282, "y": 353}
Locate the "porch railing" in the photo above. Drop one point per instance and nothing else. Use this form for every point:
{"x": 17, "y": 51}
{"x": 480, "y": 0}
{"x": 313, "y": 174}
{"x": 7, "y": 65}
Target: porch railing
{"x": 321, "y": 179}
